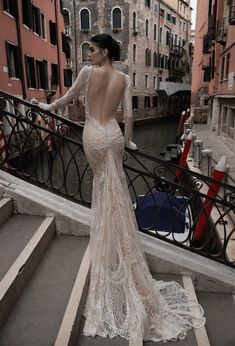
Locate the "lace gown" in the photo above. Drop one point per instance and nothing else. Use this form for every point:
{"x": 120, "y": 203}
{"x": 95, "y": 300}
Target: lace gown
{"x": 123, "y": 300}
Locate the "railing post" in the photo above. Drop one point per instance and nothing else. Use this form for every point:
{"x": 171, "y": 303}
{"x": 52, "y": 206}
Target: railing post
{"x": 198, "y": 153}
{"x": 192, "y": 148}
{"x": 206, "y": 162}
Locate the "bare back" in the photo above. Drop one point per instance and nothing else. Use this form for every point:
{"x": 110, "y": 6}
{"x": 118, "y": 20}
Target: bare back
{"x": 104, "y": 93}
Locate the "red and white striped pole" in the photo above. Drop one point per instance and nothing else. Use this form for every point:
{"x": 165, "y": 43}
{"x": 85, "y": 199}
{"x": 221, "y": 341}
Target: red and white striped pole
{"x": 3, "y": 150}
{"x": 181, "y": 124}
{"x": 218, "y": 174}
{"x": 184, "y": 155}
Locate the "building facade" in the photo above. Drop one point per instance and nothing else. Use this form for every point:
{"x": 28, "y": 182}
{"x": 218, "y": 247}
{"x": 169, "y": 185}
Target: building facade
{"x": 154, "y": 40}
{"x": 213, "y": 87}
{"x": 32, "y": 60}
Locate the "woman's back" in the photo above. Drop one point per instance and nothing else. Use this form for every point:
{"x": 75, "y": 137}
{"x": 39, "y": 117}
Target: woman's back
{"x": 104, "y": 93}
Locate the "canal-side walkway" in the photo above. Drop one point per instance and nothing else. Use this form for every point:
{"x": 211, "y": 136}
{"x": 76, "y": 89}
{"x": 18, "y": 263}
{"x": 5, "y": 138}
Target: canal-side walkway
{"x": 213, "y": 142}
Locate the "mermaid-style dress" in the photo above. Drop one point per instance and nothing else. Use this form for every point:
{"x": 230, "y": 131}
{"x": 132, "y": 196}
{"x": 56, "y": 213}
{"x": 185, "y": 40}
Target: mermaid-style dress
{"x": 123, "y": 299}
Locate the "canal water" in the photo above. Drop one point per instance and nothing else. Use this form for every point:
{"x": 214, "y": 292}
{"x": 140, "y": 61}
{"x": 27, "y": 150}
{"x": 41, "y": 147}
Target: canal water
{"x": 152, "y": 138}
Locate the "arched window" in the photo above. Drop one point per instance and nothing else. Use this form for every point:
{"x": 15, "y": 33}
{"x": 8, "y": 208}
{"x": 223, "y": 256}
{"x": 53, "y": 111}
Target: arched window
{"x": 160, "y": 35}
{"x": 155, "y": 32}
{"x": 134, "y": 52}
{"x": 146, "y": 28}
{"x": 134, "y": 26}
{"x": 175, "y": 40}
{"x": 66, "y": 16}
{"x": 168, "y": 38}
{"x": 85, "y": 19}
{"x": 117, "y": 18}
{"x": 85, "y": 50}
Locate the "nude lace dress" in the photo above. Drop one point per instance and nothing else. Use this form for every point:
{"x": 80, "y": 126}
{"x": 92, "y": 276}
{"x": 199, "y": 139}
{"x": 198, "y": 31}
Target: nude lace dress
{"x": 123, "y": 299}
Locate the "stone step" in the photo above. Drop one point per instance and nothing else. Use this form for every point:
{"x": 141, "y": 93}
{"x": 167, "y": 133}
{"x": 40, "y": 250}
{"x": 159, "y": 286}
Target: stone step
{"x": 20, "y": 259}
{"x": 220, "y": 317}
{"x": 6, "y": 209}
{"x": 14, "y": 235}
{"x": 36, "y": 317}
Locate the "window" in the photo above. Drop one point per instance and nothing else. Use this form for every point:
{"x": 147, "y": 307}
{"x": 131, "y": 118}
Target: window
{"x": 36, "y": 20}
{"x": 168, "y": 17}
{"x": 168, "y": 38}
{"x": 13, "y": 60}
{"x": 54, "y": 76}
{"x": 222, "y": 68}
{"x": 134, "y": 79}
{"x": 27, "y": 13}
{"x": 148, "y": 57}
{"x": 68, "y": 77}
{"x": 66, "y": 46}
{"x": 162, "y": 12}
{"x": 85, "y": 19}
{"x": 66, "y": 16}
{"x": 146, "y": 81}
{"x": 227, "y": 66}
{"x": 154, "y": 82}
{"x": 146, "y": 102}
{"x": 160, "y": 35}
{"x": 173, "y": 19}
{"x": 135, "y": 103}
{"x": 85, "y": 50}
{"x": 147, "y": 3}
{"x": 134, "y": 27}
{"x": 155, "y": 101}
{"x": 146, "y": 28}
{"x": 117, "y": 18}
{"x": 11, "y": 7}
{"x": 30, "y": 71}
{"x": 42, "y": 74}
{"x": 155, "y": 64}
{"x": 155, "y": 32}
{"x": 134, "y": 52}
{"x": 53, "y": 32}
{"x": 43, "y": 26}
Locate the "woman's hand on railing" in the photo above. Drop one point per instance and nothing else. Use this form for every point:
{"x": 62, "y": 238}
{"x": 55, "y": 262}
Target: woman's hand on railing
{"x": 43, "y": 106}
{"x": 131, "y": 145}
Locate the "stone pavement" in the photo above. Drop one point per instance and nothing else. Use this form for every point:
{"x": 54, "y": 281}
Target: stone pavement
{"x": 213, "y": 142}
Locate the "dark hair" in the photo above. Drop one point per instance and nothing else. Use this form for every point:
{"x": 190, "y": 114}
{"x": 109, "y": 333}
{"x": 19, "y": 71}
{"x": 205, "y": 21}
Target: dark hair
{"x": 106, "y": 41}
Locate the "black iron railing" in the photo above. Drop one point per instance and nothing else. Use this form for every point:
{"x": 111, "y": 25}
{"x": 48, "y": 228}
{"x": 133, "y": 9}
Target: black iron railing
{"x": 46, "y": 149}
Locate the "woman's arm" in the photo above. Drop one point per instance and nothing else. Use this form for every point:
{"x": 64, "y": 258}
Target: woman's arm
{"x": 128, "y": 114}
{"x": 77, "y": 87}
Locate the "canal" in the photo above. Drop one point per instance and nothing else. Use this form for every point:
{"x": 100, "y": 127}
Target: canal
{"x": 152, "y": 138}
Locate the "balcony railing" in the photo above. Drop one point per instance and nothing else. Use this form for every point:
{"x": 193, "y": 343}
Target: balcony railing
{"x": 221, "y": 31}
{"x": 177, "y": 50}
{"x": 67, "y": 30}
{"x": 232, "y": 15}
{"x": 46, "y": 149}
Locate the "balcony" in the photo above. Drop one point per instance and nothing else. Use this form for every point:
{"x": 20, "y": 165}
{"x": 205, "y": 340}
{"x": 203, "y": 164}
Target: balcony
{"x": 69, "y": 63}
{"x": 67, "y": 30}
{"x": 177, "y": 50}
{"x": 232, "y": 15}
{"x": 221, "y": 31}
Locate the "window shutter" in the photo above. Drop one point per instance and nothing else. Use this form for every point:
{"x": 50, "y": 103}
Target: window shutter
{"x": 45, "y": 72}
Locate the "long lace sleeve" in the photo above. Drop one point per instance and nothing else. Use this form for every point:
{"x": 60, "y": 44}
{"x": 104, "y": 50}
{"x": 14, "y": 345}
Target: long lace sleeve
{"x": 128, "y": 114}
{"x": 77, "y": 87}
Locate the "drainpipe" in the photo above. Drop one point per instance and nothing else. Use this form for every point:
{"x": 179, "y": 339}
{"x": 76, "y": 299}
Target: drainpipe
{"x": 23, "y": 81}
{"x": 58, "y": 45}
{"x": 75, "y": 38}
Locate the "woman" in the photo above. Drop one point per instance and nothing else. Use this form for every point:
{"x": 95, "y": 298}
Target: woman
{"x": 123, "y": 300}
